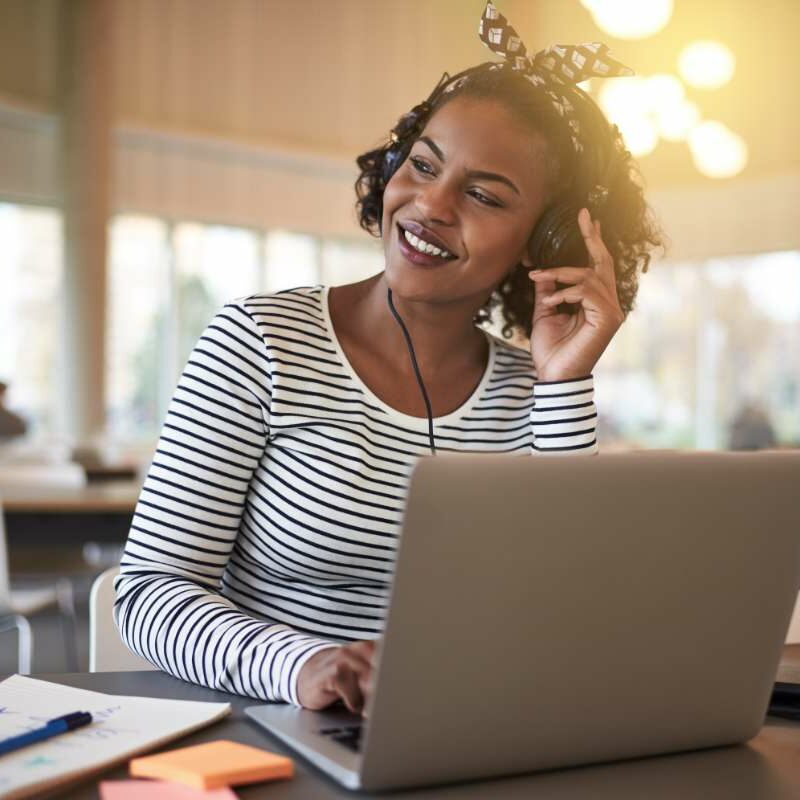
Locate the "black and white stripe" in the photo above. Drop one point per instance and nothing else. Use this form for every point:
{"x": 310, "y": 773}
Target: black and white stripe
{"x": 267, "y": 527}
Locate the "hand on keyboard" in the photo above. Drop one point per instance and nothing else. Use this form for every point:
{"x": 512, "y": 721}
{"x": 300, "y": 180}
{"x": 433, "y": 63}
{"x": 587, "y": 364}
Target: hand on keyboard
{"x": 343, "y": 672}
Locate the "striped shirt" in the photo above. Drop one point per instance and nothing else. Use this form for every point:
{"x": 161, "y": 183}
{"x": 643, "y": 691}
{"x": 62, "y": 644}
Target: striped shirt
{"x": 267, "y": 526}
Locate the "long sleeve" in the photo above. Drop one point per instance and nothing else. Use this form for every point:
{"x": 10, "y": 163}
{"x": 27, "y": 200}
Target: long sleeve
{"x": 564, "y": 417}
{"x": 169, "y": 607}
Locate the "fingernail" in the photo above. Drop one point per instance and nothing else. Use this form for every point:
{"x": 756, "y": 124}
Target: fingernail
{"x": 536, "y": 271}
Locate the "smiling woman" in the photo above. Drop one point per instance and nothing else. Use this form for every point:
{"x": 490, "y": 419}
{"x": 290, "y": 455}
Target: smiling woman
{"x": 260, "y": 557}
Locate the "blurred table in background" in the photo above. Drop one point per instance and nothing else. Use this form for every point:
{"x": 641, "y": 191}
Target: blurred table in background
{"x": 114, "y": 497}
{"x": 60, "y": 524}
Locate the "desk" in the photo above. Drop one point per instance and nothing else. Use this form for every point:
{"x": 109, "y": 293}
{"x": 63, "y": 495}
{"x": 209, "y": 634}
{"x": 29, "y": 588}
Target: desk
{"x": 114, "y": 497}
{"x": 768, "y": 768}
{"x": 62, "y": 520}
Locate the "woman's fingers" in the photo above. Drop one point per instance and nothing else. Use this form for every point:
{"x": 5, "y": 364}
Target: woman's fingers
{"x": 598, "y": 253}
{"x": 592, "y": 300}
{"x": 562, "y": 275}
{"x": 348, "y": 686}
{"x": 353, "y": 681}
{"x": 344, "y": 672}
{"x": 574, "y": 276}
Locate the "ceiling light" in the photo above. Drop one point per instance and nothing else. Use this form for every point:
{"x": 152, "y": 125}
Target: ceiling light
{"x": 675, "y": 123}
{"x": 623, "y": 97}
{"x": 663, "y": 92}
{"x": 717, "y": 151}
{"x": 630, "y": 19}
{"x": 706, "y": 64}
{"x": 639, "y": 134}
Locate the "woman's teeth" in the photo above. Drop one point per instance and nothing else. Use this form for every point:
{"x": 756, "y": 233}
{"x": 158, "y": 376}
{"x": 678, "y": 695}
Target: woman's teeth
{"x": 425, "y": 247}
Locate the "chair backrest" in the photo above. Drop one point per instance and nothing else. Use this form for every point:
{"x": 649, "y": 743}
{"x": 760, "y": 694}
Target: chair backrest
{"x": 107, "y": 652}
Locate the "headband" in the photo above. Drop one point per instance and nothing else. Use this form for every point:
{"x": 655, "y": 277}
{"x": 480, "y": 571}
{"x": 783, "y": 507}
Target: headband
{"x": 554, "y": 68}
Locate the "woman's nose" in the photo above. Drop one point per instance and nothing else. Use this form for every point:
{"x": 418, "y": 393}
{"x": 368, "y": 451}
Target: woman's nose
{"x": 436, "y": 202}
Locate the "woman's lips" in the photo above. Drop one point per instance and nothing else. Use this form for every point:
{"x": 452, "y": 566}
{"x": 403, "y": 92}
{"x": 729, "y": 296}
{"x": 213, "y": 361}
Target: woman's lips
{"x": 414, "y": 256}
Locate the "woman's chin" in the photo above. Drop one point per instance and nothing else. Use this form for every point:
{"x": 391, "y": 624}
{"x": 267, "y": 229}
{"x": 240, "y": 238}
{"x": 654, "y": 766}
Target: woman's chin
{"x": 410, "y": 283}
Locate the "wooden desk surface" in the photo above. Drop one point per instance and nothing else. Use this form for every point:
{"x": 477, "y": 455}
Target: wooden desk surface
{"x": 112, "y": 497}
{"x": 767, "y": 768}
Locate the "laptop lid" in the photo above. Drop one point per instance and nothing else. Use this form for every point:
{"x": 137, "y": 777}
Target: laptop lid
{"x": 559, "y": 611}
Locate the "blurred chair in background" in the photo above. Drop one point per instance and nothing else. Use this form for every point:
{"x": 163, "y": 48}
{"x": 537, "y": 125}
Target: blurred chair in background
{"x": 751, "y": 429}
{"x": 10, "y": 622}
{"x": 11, "y": 424}
{"x": 17, "y": 604}
{"x": 107, "y": 652}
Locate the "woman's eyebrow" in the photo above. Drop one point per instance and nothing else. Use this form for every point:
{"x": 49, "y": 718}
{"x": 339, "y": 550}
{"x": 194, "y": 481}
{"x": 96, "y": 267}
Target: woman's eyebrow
{"x": 486, "y": 176}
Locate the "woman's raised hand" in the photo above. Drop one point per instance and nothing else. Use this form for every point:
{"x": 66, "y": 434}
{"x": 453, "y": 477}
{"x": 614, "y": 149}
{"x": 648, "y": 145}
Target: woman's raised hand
{"x": 566, "y": 346}
{"x": 343, "y": 672}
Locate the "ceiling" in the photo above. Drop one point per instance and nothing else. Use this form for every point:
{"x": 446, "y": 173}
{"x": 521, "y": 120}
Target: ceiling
{"x": 334, "y": 75}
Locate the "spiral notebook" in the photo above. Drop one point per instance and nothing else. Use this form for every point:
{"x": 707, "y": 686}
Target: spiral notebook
{"x": 122, "y": 727}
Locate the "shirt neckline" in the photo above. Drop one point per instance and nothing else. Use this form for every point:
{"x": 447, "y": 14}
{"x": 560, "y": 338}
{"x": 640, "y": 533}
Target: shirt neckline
{"x": 406, "y": 419}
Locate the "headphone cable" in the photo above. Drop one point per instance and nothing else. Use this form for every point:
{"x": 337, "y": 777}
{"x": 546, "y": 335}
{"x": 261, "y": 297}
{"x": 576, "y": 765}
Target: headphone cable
{"x": 416, "y": 370}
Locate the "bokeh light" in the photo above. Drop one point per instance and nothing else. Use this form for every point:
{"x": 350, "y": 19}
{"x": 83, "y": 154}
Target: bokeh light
{"x": 630, "y": 19}
{"x": 639, "y": 133}
{"x": 624, "y": 97}
{"x": 663, "y": 91}
{"x": 706, "y": 64}
{"x": 716, "y": 150}
{"x": 675, "y": 123}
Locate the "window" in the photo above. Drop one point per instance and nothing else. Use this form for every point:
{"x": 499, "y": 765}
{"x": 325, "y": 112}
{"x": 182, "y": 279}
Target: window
{"x": 139, "y": 322}
{"x": 708, "y": 344}
{"x": 166, "y": 282}
{"x": 345, "y": 261}
{"x": 30, "y": 311}
{"x": 292, "y": 260}
{"x": 213, "y": 265}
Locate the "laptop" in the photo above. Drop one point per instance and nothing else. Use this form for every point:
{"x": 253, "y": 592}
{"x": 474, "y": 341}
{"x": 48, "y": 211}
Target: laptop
{"x": 554, "y": 612}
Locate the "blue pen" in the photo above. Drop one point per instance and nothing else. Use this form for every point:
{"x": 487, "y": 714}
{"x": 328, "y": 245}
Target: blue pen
{"x": 53, "y": 728}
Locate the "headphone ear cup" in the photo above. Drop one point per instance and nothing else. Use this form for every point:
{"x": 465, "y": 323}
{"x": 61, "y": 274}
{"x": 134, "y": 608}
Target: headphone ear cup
{"x": 556, "y": 240}
{"x": 390, "y": 161}
{"x": 393, "y": 157}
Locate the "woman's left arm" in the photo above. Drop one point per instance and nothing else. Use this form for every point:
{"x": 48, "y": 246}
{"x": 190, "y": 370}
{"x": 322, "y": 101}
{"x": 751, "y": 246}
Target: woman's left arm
{"x": 566, "y": 347}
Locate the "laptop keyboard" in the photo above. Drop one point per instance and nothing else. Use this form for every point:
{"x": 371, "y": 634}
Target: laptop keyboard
{"x": 348, "y": 735}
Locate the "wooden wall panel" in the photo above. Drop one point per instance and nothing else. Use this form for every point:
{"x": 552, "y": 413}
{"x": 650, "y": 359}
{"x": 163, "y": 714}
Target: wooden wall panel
{"x": 332, "y": 75}
{"x": 29, "y": 51}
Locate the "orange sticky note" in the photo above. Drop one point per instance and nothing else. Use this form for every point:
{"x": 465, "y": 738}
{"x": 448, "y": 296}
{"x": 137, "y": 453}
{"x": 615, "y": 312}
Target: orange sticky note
{"x": 213, "y": 765}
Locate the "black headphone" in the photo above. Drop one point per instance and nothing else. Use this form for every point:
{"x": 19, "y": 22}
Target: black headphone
{"x": 556, "y": 239}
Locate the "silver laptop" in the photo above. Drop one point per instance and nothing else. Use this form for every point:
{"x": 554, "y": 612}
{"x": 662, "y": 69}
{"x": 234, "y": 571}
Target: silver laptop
{"x": 550, "y": 612}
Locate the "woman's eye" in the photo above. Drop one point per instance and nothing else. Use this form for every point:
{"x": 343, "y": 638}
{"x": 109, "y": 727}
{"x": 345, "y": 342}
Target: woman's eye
{"x": 424, "y": 168}
{"x": 485, "y": 199}
{"x": 421, "y": 166}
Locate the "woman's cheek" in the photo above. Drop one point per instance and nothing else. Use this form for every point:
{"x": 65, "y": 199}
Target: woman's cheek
{"x": 392, "y": 193}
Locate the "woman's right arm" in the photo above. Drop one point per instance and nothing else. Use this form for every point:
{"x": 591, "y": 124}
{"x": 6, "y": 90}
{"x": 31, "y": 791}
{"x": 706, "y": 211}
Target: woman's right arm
{"x": 169, "y": 609}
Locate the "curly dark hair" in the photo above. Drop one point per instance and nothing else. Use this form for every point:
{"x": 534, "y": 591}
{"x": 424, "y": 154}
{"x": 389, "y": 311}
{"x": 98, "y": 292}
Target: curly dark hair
{"x": 629, "y": 228}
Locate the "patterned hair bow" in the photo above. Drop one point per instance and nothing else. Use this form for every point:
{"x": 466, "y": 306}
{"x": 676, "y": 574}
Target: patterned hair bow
{"x": 553, "y": 68}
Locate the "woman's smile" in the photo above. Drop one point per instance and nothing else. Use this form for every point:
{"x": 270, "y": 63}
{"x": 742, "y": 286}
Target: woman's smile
{"x": 412, "y": 253}
{"x": 421, "y": 247}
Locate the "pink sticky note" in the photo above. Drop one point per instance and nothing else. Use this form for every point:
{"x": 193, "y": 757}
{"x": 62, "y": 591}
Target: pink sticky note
{"x": 159, "y": 790}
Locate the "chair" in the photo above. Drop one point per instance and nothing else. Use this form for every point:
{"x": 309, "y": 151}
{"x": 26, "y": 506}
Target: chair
{"x": 107, "y": 652}
{"x": 17, "y": 604}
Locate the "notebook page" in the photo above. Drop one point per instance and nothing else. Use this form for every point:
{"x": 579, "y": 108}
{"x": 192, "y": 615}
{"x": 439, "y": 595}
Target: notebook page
{"x": 122, "y": 727}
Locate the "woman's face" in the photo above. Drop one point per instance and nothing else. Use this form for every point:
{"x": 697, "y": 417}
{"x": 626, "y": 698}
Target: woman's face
{"x": 473, "y": 185}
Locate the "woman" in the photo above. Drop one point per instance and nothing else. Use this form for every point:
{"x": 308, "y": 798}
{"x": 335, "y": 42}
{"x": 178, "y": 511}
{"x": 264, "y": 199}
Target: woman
{"x": 259, "y": 560}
